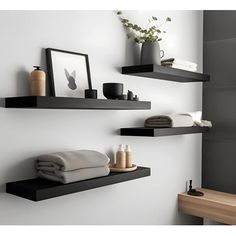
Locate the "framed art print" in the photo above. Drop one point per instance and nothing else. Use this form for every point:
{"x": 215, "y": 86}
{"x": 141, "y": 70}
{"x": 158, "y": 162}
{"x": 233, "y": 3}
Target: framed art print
{"x": 69, "y": 73}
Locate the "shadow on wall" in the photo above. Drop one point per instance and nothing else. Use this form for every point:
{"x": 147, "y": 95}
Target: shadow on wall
{"x": 2, "y": 188}
{"x": 111, "y": 154}
{"x": 179, "y": 218}
{"x": 2, "y": 102}
{"x": 20, "y": 170}
{"x": 132, "y": 51}
{"x": 23, "y": 75}
{"x": 132, "y": 54}
{"x": 43, "y": 64}
{"x": 136, "y": 123}
{"x": 22, "y": 82}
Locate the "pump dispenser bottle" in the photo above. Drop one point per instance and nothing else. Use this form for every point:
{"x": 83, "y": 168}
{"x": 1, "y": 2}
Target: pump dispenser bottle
{"x": 128, "y": 155}
{"x": 120, "y": 157}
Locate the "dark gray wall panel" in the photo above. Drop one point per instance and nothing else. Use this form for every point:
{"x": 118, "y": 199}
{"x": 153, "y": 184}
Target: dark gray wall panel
{"x": 220, "y": 62}
{"x": 219, "y": 101}
{"x": 219, "y": 25}
{"x": 220, "y": 107}
{"x": 218, "y": 174}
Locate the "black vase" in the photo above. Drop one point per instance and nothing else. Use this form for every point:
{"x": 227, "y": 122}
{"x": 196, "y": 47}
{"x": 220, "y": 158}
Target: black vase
{"x": 112, "y": 90}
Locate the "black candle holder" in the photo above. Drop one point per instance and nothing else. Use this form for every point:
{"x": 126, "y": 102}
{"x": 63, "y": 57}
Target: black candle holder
{"x": 90, "y": 93}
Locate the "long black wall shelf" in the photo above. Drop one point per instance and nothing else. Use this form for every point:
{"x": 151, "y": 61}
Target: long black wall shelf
{"x": 155, "y": 132}
{"x": 165, "y": 73}
{"x": 74, "y": 103}
{"x": 41, "y": 189}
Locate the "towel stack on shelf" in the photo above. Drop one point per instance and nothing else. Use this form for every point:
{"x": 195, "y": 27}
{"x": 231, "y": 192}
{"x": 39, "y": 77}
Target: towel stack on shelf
{"x": 67, "y": 167}
{"x": 177, "y": 120}
{"x": 169, "y": 121}
{"x": 179, "y": 64}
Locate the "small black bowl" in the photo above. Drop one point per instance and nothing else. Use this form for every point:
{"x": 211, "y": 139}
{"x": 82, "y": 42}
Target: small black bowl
{"x": 112, "y": 90}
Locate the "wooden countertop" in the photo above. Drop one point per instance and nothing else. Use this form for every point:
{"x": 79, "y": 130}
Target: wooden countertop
{"x": 214, "y": 205}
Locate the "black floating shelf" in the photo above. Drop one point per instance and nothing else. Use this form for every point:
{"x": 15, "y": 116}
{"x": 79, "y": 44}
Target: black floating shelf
{"x": 41, "y": 189}
{"x": 155, "y": 132}
{"x": 165, "y": 73}
{"x": 74, "y": 103}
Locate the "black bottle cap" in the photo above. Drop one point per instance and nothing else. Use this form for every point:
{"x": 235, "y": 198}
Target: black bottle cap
{"x": 37, "y": 67}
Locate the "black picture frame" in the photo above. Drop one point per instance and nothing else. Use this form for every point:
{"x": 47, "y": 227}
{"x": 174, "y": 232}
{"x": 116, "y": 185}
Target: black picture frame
{"x": 51, "y": 77}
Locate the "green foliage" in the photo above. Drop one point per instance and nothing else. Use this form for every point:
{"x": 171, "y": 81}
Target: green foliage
{"x": 140, "y": 35}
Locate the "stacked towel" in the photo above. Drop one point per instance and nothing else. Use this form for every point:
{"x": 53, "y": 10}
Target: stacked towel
{"x": 177, "y": 120}
{"x": 179, "y": 64}
{"x": 67, "y": 167}
{"x": 168, "y": 121}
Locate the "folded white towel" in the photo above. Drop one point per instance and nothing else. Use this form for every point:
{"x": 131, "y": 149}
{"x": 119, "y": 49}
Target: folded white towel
{"x": 181, "y": 120}
{"x": 196, "y": 115}
{"x": 203, "y": 123}
{"x": 66, "y": 177}
{"x": 179, "y": 64}
{"x": 184, "y": 63}
{"x": 72, "y": 160}
{"x": 197, "y": 119}
{"x": 182, "y": 67}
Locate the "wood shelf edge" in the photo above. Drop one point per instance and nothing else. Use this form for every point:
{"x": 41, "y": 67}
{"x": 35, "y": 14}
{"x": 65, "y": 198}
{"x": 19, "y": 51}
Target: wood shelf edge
{"x": 214, "y": 205}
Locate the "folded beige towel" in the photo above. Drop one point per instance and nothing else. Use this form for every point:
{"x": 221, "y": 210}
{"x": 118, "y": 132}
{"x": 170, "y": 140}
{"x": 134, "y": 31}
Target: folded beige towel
{"x": 72, "y": 160}
{"x": 66, "y": 177}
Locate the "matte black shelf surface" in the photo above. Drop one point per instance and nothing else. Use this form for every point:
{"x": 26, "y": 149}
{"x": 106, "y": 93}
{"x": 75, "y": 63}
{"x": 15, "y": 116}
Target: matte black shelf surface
{"x": 155, "y": 132}
{"x": 165, "y": 73}
{"x": 74, "y": 103}
{"x": 41, "y": 189}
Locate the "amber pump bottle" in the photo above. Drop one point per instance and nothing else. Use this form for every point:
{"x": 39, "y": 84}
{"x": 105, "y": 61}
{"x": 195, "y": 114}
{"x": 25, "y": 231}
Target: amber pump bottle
{"x": 37, "y": 82}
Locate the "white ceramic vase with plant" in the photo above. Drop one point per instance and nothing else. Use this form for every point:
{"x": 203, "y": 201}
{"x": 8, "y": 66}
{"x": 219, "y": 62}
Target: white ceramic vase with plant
{"x": 149, "y": 37}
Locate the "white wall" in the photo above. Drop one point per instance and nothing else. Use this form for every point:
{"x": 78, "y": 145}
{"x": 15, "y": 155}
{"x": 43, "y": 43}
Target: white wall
{"x": 27, "y": 133}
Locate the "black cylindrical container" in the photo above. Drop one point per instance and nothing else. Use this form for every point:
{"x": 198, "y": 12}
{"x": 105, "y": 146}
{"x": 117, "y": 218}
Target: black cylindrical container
{"x": 90, "y": 93}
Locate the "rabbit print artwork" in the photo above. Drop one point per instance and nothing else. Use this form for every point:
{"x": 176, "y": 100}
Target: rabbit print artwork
{"x": 71, "y": 79}
{"x": 69, "y": 73}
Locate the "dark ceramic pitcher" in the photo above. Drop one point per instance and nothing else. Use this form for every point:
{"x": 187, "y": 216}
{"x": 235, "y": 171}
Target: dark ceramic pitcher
{"x": 151, "y": 53}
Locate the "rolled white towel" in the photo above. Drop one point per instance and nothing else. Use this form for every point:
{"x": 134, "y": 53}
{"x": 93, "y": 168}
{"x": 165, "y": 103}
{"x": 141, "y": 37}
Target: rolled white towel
{"x": 72, "y": 160}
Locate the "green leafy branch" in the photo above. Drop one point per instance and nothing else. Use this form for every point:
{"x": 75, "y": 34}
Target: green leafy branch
{"x": 151, "y": 33}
